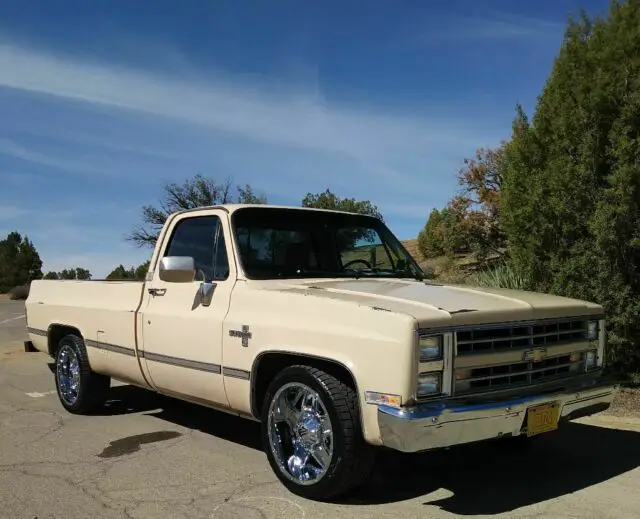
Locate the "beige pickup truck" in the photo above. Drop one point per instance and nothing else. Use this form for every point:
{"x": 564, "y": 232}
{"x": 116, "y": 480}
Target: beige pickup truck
{"x": 321, "y": 326}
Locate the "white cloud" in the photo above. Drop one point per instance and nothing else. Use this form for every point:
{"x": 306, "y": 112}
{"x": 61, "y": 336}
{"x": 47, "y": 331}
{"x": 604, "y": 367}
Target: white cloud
{"x": 111, "y": 122}
{"x": 511, "y": 27}
{"x": 491, "y": 27}
{"x": 13, "y": 149}
{"x": 271, "y": 114}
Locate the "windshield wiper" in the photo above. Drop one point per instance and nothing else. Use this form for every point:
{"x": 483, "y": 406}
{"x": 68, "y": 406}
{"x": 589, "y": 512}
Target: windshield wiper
{"x": 357, "y": 273}
{"x": 300, "y": 272}
{"x": 349, "y": 272}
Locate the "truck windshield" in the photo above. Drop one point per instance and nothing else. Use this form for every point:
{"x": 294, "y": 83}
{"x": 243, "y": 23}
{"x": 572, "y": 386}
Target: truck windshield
{"x": 291, "y": 243}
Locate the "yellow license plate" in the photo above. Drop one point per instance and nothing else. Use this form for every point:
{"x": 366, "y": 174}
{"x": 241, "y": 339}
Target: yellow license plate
{"x": 542, "y": 418}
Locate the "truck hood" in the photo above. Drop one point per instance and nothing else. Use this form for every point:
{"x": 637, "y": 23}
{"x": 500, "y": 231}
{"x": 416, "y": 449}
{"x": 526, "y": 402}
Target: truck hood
{"x": 450, "y": 304}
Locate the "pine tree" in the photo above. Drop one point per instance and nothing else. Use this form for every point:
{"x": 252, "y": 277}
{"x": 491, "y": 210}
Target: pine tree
{"x": 571, "y": 192}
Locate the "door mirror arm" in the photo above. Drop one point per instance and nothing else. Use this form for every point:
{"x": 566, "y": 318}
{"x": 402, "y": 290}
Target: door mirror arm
{"x": 206, "y": 292}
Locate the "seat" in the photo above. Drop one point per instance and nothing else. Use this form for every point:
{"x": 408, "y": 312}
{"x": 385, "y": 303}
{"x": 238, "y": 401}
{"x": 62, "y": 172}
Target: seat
{"x": 297, "y": 256}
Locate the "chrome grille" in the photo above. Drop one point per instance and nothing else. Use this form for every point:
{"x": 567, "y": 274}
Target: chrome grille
{"x": 503, "y": 337}
{"x": 490, "y": 378}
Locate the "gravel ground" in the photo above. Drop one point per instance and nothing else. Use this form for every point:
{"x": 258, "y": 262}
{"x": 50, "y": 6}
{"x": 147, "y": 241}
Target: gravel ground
{"x": 627, "y": 403}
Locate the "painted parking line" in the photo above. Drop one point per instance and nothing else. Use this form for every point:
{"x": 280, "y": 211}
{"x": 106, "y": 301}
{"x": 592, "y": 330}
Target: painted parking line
{"x": 36, "y": 394}
{"x": 12, "y": 319}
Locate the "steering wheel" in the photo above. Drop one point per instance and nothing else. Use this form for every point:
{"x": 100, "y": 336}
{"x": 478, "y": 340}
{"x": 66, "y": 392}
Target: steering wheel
{"x": 367, "y": 264}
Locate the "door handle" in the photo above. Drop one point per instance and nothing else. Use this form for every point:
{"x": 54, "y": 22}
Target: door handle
{"x": 157, "y": 291}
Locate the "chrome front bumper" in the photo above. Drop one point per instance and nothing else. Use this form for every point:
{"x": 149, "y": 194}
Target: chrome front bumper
{"x": 435, "y": 425}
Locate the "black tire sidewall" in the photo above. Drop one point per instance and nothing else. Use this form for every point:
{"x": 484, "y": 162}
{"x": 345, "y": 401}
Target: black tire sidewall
{"x": 324, "y": 487}
{"x": 84, "y": 401}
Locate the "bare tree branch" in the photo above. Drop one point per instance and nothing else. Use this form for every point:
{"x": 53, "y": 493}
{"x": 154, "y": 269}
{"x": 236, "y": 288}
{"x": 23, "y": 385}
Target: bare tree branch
{"x": 198, "y": 191}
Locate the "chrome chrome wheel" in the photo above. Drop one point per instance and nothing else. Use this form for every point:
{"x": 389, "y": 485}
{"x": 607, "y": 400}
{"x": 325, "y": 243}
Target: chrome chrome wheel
{"x": 68, "y": 373}
{"x": 300, "y": 433}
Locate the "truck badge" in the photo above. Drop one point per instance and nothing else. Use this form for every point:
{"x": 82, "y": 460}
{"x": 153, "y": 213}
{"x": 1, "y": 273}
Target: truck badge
{"x": 244, "y": 334}
{"x": 535, "y": 355}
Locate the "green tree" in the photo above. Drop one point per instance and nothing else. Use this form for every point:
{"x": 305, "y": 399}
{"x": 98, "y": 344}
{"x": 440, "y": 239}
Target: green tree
{"x": 430, "y": 238}
{"x": 78, "y": 273}
{"x": 121, "y": 273}
{"x": 141, "y": 270}
{"x": 571, "y": 190}
{"x": 444, "y": 233}
{"x": 82, "y": 273}
{"x": 198, "y": 191}
{"x": 328, "y": 200}
{"x": 20, "y": 262}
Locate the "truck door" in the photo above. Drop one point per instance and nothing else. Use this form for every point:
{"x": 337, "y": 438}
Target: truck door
{"x": 181, "y": 337}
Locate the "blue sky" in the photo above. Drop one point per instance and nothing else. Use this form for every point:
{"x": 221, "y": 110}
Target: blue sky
{"x": 103, "y": 101}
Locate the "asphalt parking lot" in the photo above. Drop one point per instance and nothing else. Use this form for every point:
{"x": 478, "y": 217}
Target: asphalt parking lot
{"x": 147, "y": 456}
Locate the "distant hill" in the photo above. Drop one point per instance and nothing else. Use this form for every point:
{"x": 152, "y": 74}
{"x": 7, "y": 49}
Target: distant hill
{"x": 412, "y": 248}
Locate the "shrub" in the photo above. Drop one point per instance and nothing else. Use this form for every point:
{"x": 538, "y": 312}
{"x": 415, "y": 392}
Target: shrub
{"x": 19, "y": 293}
{"x": 428, "y": 269}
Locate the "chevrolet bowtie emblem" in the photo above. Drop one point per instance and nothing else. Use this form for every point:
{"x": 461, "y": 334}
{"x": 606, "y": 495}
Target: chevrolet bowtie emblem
{"x": 535, "y": 355}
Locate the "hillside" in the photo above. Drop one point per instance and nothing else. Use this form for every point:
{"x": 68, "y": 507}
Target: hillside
{"x": 412, "y": 248}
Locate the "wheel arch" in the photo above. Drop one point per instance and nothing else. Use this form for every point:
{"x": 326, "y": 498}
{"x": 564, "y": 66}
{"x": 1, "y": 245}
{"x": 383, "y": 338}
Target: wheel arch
{"x": 268, "y": 363}
{"x": 57, "y": 331}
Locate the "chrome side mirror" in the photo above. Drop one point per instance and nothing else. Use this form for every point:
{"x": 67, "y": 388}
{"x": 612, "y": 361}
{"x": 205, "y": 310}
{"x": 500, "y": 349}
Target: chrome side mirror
{"x": 177, "y": 269}
{"x": 206, "y": 293}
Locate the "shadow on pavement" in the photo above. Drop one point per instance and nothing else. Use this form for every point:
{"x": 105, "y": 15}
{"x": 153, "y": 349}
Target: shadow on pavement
{"x": 216, "y": 423}
{"x": 484, "y": 478}
{"x": 493, "y": 477}
{"x": 131, "y": 399}
{"x": 126, "y": 399}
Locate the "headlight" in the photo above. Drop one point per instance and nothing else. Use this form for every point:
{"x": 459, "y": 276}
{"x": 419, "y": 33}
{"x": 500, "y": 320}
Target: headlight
{"x": 592, "y": 330}
{"x": 429, "y": 384}
{"x": 590, "y": 359}
{"x": 430, "y": 348}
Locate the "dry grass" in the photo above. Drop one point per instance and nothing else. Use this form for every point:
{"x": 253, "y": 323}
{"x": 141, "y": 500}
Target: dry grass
{"x": 412, "y": 248}
{"x": 443, "y": 269}
{"x": 453, "y": 270}
{"x": 4, "y": 297}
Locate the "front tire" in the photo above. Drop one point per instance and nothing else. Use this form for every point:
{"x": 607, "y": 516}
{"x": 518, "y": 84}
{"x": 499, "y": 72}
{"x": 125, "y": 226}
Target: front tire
{"x": 80, "y": 390}
{"x": 312, "y": 434}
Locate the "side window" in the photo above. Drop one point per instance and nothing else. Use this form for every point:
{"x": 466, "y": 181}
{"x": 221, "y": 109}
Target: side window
{"x": 196, "y": 237}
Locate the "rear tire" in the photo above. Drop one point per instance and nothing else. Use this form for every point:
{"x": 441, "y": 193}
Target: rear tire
{"x": 300, "y": 406}
{"x": 80, "y": 390}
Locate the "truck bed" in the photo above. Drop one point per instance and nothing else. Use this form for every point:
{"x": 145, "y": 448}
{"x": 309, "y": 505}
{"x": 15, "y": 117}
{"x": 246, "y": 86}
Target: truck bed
{"x": 103, "y": 312}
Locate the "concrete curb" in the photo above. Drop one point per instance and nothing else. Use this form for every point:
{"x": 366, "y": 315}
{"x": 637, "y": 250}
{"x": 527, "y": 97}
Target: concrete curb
{"x": 630, "y": 423}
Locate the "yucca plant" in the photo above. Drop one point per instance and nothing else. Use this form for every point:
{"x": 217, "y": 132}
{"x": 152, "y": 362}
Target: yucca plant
{"x": 501, "y": 276}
